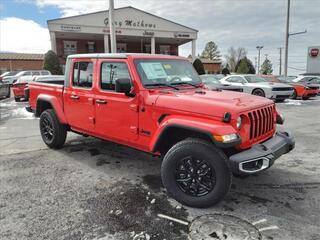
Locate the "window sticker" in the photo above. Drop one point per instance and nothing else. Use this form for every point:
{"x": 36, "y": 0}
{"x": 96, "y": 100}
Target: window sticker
{"x": 154, "y": 70}
{"x": 167, "y": 66}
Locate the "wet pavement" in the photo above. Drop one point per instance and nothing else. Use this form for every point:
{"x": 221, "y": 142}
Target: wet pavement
{"x": 92, "y": 189}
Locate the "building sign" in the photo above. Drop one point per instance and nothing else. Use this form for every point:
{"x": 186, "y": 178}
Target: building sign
{"x": 108, "y": 31}
{"x": 131, "y": 23}
{"x": 70, "y": 28}
{"x": 314, "y": 52}
{"x": 181, "y": 35}
{"x": 148, "y": 34}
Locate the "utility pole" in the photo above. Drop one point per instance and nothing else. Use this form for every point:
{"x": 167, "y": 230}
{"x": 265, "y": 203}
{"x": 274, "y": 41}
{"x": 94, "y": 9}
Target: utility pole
{"x": 287, "y": 41}
{"x": 113, "y": 39}
{"x": 255, "y": 63}
{"x": 259, "y": 49}
{"x": 280, "y": 64}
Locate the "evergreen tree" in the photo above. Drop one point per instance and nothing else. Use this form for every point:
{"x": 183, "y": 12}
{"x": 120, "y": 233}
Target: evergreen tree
{"x": 266, "y": 67}
{"x": 51, "y": 63}
{"x": 246, "y": 66}
{"x": 225, "y": 71}
{"x": 199, "y": 66}
{"x": 211, "y": 51}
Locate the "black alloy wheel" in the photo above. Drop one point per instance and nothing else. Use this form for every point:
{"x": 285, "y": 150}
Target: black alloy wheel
{"x": 195, "y": 177}
{"x": 258, "y": 92}
{"x": 46, "y": 129}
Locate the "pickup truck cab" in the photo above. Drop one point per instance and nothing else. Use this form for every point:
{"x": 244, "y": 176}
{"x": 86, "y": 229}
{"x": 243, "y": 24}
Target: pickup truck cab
{"x": 158, "y": 104}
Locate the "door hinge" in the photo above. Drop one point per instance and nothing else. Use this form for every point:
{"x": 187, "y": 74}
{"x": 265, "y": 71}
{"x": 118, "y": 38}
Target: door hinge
{"x": 134, "y": 107}
{"x": 134, "y": 129}
{"x": 92, "y": 120}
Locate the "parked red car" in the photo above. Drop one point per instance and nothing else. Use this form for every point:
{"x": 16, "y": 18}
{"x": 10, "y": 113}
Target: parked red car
{"x": 301, "y": 90}
{"x": 19, "y": 87}
{"x": 157, "y": 104}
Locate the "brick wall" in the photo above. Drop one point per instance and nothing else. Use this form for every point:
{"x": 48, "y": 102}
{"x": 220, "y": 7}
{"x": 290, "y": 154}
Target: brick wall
{"x": 212, "y": 67}
{"x": 8, "y": 65}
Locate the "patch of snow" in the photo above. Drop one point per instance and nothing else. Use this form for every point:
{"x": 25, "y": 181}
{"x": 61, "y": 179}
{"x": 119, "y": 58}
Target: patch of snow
{"x": 22, "y": 113}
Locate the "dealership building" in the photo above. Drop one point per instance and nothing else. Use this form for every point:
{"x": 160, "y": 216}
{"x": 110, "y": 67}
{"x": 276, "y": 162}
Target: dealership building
{"x": 137, "y": 31}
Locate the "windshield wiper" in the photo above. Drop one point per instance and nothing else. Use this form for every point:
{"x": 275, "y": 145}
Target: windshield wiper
{"x": 185, "y": 83}
{"x": 161, "y": 85}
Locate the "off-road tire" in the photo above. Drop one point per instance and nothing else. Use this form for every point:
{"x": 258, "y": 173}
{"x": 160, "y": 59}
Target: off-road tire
{"x": 17, "y": 99}
{"x": 258, "y": 92}
{"x": 58, "y": 130}
{"x": 305, "y": 98}
{"x": 202, "y": 150}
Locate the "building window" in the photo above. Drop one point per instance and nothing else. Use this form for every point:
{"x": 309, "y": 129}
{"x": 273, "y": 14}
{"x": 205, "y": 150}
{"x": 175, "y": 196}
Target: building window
{"x": 91, "y": 47}
{"x": 82, "y": 74}
{"x": 165, "y": 49}
{"x": 70, "y": 47}
{"x": 147, "y": 48}
{"x": 121, "y": 47}
{"x": 111, "y": 72}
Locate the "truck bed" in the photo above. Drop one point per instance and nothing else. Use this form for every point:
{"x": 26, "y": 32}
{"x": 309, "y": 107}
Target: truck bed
{"x": 45, "y": 90}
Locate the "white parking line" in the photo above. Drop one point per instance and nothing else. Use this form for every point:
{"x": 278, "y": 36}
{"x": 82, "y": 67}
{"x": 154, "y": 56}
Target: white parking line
{"x": 260, "y": 221}
{"x": 173, "y": 219}
{"x": 268, "y": 228}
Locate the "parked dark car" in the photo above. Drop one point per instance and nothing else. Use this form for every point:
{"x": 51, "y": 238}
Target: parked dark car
{"x": 212, "y": 81}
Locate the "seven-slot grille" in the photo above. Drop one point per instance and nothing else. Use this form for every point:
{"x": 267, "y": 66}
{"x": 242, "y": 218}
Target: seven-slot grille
{"x": 261, "y": 122}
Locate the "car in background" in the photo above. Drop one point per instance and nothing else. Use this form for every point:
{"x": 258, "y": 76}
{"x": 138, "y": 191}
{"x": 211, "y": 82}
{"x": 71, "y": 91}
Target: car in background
{"x": 211, "y": 81}
{"x": 259, "y": 86}
{"x": 5, "y": 91}
{"x": 8, "y": 74}
{"x": 53, "y": 79}
{"x": 12, "y": 79}
{"x": 19, "y": 86}
{"x": 310, "y": 81}
{"x": 301, "y": 89}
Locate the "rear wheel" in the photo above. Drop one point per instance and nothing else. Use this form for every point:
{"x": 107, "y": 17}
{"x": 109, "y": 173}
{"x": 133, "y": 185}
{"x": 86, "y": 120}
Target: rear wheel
{"x": 305, "y": 98}
{"x": 52, "y": 131}
{"x": 196, "y": 173}
{"x": 17, "y": 99}
{"x": 8, "y": 94}
{"x": 258, "y": 92}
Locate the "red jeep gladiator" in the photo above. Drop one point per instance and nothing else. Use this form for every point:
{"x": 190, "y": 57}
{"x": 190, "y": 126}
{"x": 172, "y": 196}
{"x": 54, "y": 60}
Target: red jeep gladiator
{"x": 158, "y": 104}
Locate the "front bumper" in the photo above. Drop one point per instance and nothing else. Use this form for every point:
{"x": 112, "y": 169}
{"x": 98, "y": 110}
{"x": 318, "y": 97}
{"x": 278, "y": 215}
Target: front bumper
{"x": 262, "y": 156}
{"x": 281, "y": 95}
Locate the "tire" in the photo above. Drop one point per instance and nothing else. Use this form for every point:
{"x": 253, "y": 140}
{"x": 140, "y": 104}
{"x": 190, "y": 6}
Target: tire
{"x": 305, "y": 98}
{"x": 17, "y": 99}
{"x": 214, "y": 164}
{"x": 9, "y": 93}
{"x": 280, "y": 100}
{"x": 258, "y": 92}
{"x": 294, "y": 94}
{"x": 53, "y": 133}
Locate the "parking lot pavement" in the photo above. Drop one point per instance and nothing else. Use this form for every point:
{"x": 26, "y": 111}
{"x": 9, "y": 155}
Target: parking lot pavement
{"x": 93, "y": 189}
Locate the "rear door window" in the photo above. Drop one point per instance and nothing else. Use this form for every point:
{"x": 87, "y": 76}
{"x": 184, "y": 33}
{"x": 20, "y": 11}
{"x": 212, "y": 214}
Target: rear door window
{"x": 82, "y": 74}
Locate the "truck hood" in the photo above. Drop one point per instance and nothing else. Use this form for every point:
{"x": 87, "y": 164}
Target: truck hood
{"x": 208, "y": 102}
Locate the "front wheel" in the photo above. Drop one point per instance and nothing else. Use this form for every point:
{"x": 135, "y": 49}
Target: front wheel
{"x": 258, "y": 92}
{"x": 196, "y": 173}
{"x": 17, "y": 99}
{"x": 53, "y": 133}
{"x": 294, "y": 94}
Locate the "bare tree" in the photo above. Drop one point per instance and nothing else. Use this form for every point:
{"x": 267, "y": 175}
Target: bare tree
{"x": 234, "y": 56}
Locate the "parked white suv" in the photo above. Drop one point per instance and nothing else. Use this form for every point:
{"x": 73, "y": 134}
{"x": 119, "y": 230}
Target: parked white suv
{"x": 256, "y": 85}
{"x": 14, "y": 78}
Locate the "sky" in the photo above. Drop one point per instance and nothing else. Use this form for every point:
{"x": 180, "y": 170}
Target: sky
{"x": 229, "y": 23}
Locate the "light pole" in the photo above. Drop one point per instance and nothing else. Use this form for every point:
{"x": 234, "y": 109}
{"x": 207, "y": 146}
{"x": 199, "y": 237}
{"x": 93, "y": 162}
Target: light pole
{"x": 259, "y": 49}
{"x": 286, "y": 49}
{"x": 113, "y": 39}
{"x": 280, "y": 64}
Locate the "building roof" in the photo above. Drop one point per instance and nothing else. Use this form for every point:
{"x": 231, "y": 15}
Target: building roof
{"x": 127, "y": 7}
{"x": 21, "y": 56}
{"x": 207, "y": 61}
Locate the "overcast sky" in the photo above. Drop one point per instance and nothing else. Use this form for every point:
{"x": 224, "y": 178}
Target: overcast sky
{"x": 237, "y": 23}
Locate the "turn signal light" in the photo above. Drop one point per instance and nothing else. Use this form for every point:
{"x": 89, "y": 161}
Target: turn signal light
{"x": 225, "y": 138}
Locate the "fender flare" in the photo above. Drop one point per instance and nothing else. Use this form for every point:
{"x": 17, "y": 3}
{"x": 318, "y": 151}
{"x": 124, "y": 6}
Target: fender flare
{"x": 56, "y": 105}
{"x": 207, "y": 127}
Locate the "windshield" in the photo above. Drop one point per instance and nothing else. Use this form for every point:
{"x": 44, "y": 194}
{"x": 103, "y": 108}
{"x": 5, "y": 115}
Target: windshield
{"x": 209, "y": 80}
{"x": 166, "y": 72}
{"x": 255, "y": 79}
{"x": 285, "y": 79}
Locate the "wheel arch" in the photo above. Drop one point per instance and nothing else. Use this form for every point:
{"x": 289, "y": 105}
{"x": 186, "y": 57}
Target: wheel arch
{"x": 45, "y": 102}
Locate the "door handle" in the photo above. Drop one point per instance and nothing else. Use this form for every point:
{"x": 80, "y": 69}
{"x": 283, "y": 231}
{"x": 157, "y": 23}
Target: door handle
{"x": 74, "y": 97}
{"x": 100, "y": 101}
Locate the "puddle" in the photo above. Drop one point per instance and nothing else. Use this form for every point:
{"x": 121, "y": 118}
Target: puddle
{"x": 222, "y": 227}
{"x": 127, "y": 210}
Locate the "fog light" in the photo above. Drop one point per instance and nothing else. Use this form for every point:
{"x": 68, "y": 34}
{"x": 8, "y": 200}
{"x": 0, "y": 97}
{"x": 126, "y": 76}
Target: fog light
{"x": 225, "y": 138}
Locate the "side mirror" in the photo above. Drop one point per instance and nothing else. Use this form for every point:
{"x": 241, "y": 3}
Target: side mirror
{"x": 123, "y": 85}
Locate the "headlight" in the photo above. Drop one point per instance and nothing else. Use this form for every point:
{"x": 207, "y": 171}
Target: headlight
{"x": 239, "y": 122}
{"x": 226, "y": 138}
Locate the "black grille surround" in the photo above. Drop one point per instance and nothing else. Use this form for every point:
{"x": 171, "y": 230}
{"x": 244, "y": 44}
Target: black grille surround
{"x": 282, "y": 89}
